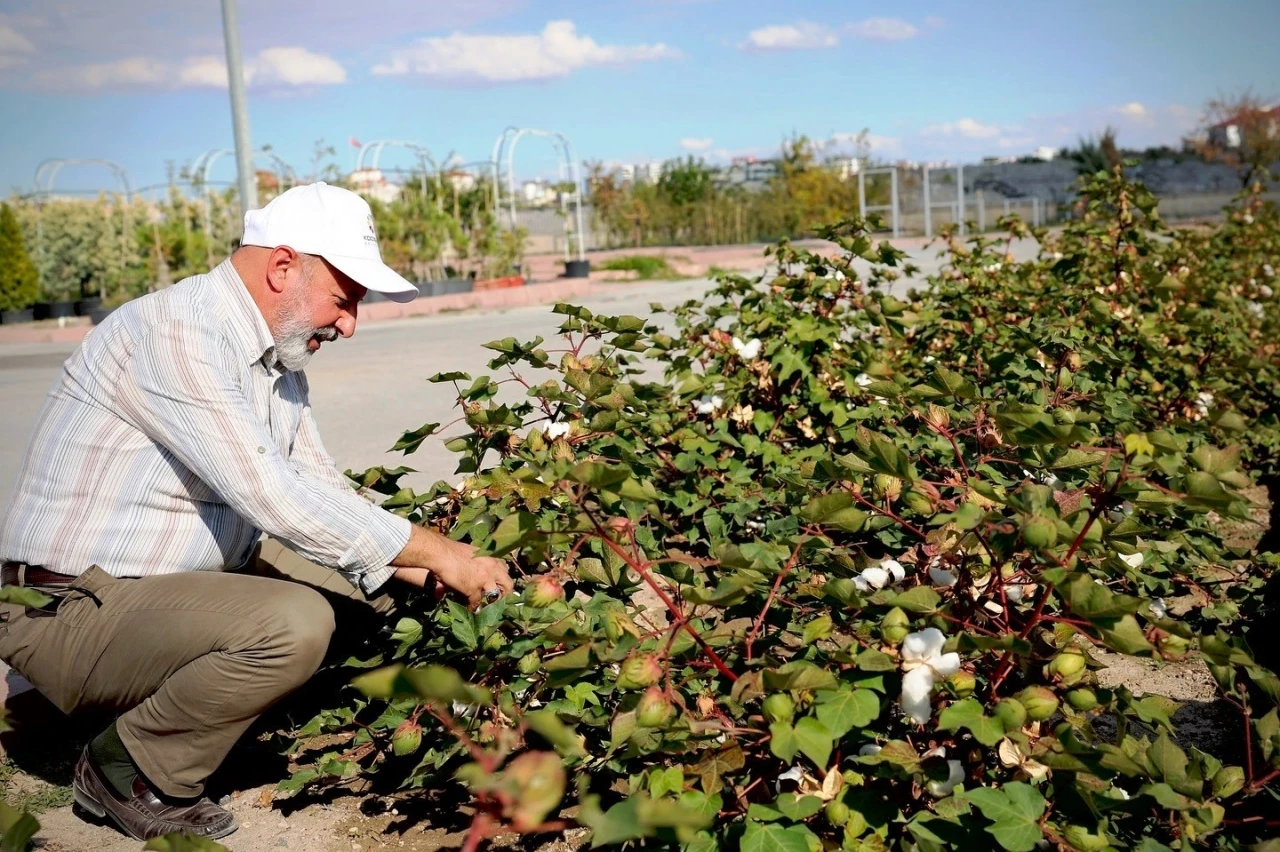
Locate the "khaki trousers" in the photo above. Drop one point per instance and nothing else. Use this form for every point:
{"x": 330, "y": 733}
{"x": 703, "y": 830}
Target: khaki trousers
{"x": 189, "y": 660}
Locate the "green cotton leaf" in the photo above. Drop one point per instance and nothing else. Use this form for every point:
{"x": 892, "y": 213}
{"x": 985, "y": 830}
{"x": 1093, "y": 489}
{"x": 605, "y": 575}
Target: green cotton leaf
{"x": 782, "y": 741}
{"x": 1124, "y": 635}
{"x": 814, "y": 740}
{"x": 294, "y": 783}
{"x": 968, "y": 714}
{"x": 410, "y": 441}
{"x": 819, "y": 628}
{"x": 771, "y": 837}
{"x": 432, "y": 683}
{"x": 462, "y": 625}
{"x": 663, "y": 781}
{"x": 1014, "y": 811}
{"x": 798, "y": 675}
{"x": 714, "y": 765}
{"x": 512, "y": 532}
{"x": 546, "y": 724}
{"x": 599, "y": 475}
{"x": 1155, "y": 710}
{"x": 1169, "y": 760}
{"x": 918, "y": 599}
{"x": 454, "y": 376}
{"x": 18, "y": 827}
{"x": 834, "y": 510}
{"x": 843, "y": 710}
{"x": 797, "y": 808}
{"x": 23, "y": 596}
{"x": 1093, "y": 600}
{"x": 729, "y": 591}
{"x": 1204, "y": 489}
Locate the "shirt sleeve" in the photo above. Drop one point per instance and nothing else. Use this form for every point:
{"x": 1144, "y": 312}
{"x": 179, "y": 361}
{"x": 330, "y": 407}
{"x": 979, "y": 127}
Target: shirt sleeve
{"x": 182, "y": 389}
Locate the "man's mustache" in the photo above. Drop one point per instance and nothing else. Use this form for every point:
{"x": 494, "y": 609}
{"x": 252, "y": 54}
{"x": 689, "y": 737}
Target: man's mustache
{"x": 324, "y": 335}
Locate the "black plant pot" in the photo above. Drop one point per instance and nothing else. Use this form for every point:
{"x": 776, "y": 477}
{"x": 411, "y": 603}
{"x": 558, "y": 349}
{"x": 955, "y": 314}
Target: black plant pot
{"x": 86, "y": 306}
{"x": 99, "y": 314}
{"x": 53, "y": 310}
{"x": 577, "y": 269}
{"x": 14, "y": 317}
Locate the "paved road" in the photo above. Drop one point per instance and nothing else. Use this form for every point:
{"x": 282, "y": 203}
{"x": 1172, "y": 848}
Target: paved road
{"x": 368, "y": 390}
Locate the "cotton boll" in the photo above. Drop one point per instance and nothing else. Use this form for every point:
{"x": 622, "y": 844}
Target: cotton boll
{"x": 863, "y": 380}
{"x": 876, "y": 577}
{"x": 941, "y": 576}
{"x": 895, "y": 569}
{"x": 955, "y": 774}
{"x": 795, "y": 774}
{"x": 1133, "y": 560}
{"x": 1158, "y": 608}
{"x": 869, "y": 749}
{"x": 917, "y": 685}
{"x": 558, "y": 430}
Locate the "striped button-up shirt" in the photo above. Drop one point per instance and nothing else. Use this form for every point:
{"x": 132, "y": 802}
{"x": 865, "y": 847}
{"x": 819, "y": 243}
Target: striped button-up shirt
{"x": 173, "y": 440}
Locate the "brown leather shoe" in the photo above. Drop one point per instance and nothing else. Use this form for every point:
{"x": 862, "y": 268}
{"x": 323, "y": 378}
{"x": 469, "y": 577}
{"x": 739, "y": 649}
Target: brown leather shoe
{"x": 145, "y": 814}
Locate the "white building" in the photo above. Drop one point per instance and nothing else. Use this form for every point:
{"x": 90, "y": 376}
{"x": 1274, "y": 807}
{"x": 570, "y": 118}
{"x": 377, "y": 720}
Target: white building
{"x": 641, "y": 172}
{"x": 1044, "y": 152}
{"x": 373, "y": 184}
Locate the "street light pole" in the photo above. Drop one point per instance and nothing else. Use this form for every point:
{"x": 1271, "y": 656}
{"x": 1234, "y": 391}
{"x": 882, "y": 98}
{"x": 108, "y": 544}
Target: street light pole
{"x": 239, "y": 111}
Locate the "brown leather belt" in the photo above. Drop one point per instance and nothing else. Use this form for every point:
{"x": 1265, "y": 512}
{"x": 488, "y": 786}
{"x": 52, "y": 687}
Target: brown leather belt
{"x": 22, "y": 574}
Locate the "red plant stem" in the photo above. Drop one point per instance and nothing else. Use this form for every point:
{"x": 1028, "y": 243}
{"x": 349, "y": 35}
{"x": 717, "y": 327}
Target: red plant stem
{"x": 768, "y": 602}
{"x": 888, "y": 513}
{"x": 1248, "y": 741}
{"x": 480, "y": 827}
{"x": 1264, "y": 781}
{"x": 645, "y": 575}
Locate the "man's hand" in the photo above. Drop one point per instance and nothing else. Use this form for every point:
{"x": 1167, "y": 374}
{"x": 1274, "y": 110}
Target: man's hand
{"x": 454, "y": 564}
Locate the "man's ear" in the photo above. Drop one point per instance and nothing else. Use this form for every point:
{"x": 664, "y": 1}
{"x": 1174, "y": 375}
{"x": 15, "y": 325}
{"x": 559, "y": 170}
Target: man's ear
{"x": 282, "y": 259}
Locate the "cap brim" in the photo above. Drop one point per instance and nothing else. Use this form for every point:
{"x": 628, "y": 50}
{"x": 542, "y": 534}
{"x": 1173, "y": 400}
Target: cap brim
{"x": 376, "y": 276}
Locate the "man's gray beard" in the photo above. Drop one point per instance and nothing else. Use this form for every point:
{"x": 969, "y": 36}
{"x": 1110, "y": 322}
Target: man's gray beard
{"x": 295, "y": 333}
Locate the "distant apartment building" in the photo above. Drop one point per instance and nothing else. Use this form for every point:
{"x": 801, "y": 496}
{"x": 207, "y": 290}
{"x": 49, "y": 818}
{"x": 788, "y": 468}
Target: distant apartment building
{"x": 640, "y": 172}
{"x": 372, "y": 183}
{"x": 1230, "y": 133}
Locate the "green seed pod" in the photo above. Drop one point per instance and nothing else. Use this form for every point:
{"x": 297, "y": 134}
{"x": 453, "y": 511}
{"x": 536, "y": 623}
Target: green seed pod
{"x": 1011, "y": 714}
{"x": 1174, "y": 647}
{"x": 917, "y": 502}
{"x": 961, "y": 684}
{"x": 654, "y": 709}
{"x": 895, "y": 626}
{"x": 837, "y": 813}
{"x": 1228, "y": 781}
{"x": 885, "y": 486}
{"x": 779, "y": 707}
{"x": 1082, "y": 699}
{"x": 407, "y": 738}
{"x": 543, "y": 591}
{"x": 616, "y": 623}
{"x": 1083, "y": 839}
{"x": 639, "y": 671}
{"x": 1040, "y": 702}
{"x": 1069, "y": 663}
{"x": 1039, "y": 532}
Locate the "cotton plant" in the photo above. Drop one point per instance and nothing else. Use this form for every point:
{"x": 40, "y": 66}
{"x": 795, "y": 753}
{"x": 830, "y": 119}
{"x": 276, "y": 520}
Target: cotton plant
{"x": 955, "y": 774}
{"x": 924, "y": 663}
{"x": 558, "y": 430}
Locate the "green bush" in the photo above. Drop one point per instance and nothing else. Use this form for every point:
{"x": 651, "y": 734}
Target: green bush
{"x": 846, "y": 574}
{"x": 19, "y": 281}
{"x": 646, "y": 266}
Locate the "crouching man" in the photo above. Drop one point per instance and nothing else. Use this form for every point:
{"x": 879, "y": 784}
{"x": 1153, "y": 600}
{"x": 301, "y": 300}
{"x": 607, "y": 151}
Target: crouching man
{"x": 178, "y": 433}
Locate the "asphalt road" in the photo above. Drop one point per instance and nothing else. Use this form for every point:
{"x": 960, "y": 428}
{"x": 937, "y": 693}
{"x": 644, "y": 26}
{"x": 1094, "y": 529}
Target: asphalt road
{"x": 368, "y": 390}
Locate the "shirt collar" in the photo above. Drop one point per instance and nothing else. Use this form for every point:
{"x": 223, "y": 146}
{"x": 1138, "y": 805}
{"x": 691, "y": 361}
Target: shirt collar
{"x": 244, "y": 322}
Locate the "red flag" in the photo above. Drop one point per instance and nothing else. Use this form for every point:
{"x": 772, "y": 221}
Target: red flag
{"x": 355, "y": 143}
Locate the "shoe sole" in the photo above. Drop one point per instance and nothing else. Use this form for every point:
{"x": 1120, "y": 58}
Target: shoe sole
{"x": 94, "y": 807}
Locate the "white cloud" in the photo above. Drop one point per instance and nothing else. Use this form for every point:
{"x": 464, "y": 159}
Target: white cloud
{"x": 15, "y": 48}
{"x": 966, "y": 127}
{"x": 1133, "y": 109}
{"x": 883, "y": 29}
{"x": 885, "y": 146}
{"x": 274, "y": 67}
{"x": 556, "y": 52}
{"x": 701, "y": 143}
{"x": 801, "y": 35}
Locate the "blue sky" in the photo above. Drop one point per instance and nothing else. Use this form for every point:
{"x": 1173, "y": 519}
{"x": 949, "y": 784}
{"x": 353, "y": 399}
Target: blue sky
{"x": 141, "y": 82}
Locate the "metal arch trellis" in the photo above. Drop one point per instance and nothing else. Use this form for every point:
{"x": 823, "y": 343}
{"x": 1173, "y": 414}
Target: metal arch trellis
{"x": 375, "y": 148}
{"x": 507, "y": 143}
{"x": 47, "y": 174}
{"x": 203, "y": 166}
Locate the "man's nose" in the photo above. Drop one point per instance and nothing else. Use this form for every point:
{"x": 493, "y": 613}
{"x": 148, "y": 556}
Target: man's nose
{"x": 346, "y": 324}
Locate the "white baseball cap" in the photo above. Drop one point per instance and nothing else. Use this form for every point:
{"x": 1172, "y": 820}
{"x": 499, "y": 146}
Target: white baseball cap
{"x": 335, "y": 224}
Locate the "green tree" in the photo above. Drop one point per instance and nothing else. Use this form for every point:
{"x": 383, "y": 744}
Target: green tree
{"x": 19, "y": 282}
